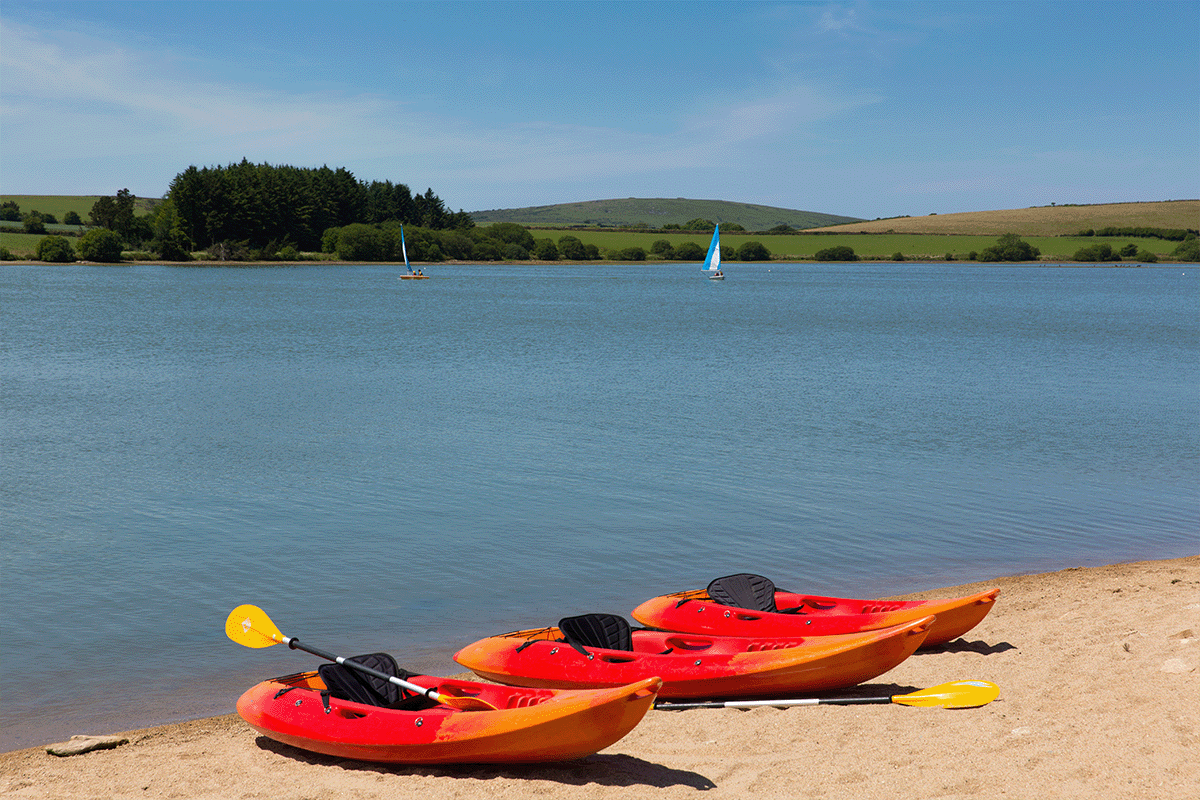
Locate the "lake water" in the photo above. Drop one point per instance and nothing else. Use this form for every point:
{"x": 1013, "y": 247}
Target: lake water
{"x": 411, "y": 465}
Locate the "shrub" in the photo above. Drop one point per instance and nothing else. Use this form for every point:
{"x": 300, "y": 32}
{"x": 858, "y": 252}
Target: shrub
{"x": 72, "y": 218}
{"x": 662, "y": 247}
{"x": 837, "y": 253}
{"x": 630, "y": 254}
{"x": 1010, "y": 247}
{"x": 100, "y": 244}
{"x": 545, "y": 250}
{"x": 1147, "y": 257}
{"x": 55, "y": 249}
{"x": 329, "y": 240}
{"x": 753, "y": 251}
{"x": 33, "y": 223}
{"x": 1096, "y": 253}
{"x": 515, "y": 252}
{"x": 509, "y": 233}
{"x": 689, "y": 251}
{"x": 6, "y": 254}
{"x": 10, "y": 211}
{"x": 897, "y": 256}
{"x": 1188, "y": 250}
{"x": 361, "y": 242}
{"x": 228, "y": 251}
{"x": 487, "y": 250}
{"x": 570, "y": 247}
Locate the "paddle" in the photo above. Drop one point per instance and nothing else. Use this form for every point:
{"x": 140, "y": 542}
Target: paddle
{"x": 957, "y": 694}
{"x": 250, "y": 626}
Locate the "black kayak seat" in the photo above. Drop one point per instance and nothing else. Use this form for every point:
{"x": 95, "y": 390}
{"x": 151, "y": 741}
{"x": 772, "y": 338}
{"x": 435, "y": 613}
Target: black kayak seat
{"x": 603, "y": 631}
{"x": 744, "y": 591}
{"x": 347, "y": 683}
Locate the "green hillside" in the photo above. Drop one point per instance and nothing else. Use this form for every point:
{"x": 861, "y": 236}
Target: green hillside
{"x": 59, "y": 205}
{"x": 656, "y": 212}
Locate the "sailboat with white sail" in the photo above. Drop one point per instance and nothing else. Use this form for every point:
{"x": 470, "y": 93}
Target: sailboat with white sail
{"x": 712, "y": 262}
{"x": 411, "y": 276}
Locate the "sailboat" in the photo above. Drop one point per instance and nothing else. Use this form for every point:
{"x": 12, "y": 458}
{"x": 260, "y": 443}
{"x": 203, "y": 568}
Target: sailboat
{"x": 411, "y": 276}
{"x": 712, "y": 262}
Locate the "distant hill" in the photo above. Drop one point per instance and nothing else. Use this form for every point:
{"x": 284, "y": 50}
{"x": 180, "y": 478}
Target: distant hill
{"x": 655, "y": 213}
{"x": 1040, "y": 221}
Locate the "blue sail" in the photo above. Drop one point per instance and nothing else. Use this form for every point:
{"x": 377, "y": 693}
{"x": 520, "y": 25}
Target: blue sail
{"x": 404, "y": 249}
{"x": 712, "y": 262}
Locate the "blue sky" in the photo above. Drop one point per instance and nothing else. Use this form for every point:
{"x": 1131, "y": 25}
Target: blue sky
{"x": 868, "y": 109}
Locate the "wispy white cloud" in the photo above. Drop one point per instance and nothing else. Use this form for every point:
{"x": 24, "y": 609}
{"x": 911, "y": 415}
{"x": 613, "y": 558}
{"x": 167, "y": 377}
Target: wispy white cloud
{"x": 837, "y": 18}
{"x": 101, "y": 103}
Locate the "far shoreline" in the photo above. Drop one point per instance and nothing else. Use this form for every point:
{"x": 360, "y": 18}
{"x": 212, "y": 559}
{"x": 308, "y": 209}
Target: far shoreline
{"x": 425, "y": 265}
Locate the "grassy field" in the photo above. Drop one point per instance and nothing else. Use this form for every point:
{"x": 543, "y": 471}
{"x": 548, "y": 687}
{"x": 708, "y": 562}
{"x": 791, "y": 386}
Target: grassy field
{"x": 1040, "y": 221}
{"x": 800, "y": 246}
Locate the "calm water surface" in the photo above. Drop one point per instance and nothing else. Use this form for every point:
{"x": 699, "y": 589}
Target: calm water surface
{"x": 409, "y": 466}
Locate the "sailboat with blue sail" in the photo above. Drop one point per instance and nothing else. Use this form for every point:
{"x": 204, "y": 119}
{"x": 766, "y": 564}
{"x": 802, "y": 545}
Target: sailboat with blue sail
{"x": 712, "y": 262}
{"x": 411, "y": 276}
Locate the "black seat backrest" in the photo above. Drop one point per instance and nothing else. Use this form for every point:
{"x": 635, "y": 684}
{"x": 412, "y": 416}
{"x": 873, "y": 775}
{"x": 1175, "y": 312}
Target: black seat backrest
{"x": 347, "y": 683}
{"x": 605, "y": 631}
{"x": 744, "y": 591}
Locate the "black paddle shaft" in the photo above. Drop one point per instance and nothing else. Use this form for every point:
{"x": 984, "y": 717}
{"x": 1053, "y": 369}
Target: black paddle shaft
{"x": 345, "y": 662}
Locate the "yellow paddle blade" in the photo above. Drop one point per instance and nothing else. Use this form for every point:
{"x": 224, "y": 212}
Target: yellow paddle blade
{"x": 464, "y": 703}
{"x": 957, "y": 694}
{"x": 250, "y": 626}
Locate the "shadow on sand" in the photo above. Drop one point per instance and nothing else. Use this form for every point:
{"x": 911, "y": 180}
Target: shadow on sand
{"x": 602, "y": 769}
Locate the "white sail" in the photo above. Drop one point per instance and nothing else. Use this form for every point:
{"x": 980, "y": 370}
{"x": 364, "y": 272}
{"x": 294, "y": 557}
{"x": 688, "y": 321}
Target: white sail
{"x": 404, "y": 249}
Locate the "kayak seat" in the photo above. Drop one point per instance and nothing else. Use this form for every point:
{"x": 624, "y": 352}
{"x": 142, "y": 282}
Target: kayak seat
{"x": 346, "y": 683}
{"x": 604, "y": 631}
{"x": 744, "y": 591}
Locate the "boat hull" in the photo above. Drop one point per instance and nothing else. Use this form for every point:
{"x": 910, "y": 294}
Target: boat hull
{"x": 531, "y": 725}
{"x": 695, "y": 612}
{"x": 697, "y": 665}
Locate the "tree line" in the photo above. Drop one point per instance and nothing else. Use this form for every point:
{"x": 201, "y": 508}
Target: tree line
{"x": 263, "y": 205}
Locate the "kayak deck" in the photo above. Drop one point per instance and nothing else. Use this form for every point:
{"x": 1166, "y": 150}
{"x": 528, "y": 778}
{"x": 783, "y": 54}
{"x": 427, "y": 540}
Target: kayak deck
{"x": 693, "y": 665}
{"x": 814, "y": 615}
{"x": 530, "y": 725}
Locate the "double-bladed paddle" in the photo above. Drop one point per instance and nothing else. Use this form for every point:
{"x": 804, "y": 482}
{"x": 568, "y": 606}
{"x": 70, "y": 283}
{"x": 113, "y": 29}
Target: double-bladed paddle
{"x": 250, "y": 626}
{"x": 956, "y": 694}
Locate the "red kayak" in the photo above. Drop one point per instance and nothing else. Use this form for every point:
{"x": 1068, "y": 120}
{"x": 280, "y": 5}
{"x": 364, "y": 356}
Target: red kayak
{"x": 354, "y": 717}
{"x": 750, "y": 605}
{"x": 601, "y": 650}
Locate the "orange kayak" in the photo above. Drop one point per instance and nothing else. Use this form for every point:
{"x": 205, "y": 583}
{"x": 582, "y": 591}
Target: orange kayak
{"x": 530, "y": 725}
{"x": 750, "y": 605}
{"x": 691, "y": 665}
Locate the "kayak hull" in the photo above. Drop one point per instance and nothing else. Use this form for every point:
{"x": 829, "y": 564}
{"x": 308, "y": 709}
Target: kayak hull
{"x": 696, "y": 665}
{"x": 695, "y": 612}
{"x": 531, "y": 725}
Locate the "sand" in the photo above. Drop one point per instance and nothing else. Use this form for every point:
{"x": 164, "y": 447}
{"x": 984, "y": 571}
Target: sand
{"x": 1099, "y": 675}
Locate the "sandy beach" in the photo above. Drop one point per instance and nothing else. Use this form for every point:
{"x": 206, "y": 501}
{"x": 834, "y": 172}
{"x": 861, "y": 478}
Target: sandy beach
{"x": 1099, "y": 675}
